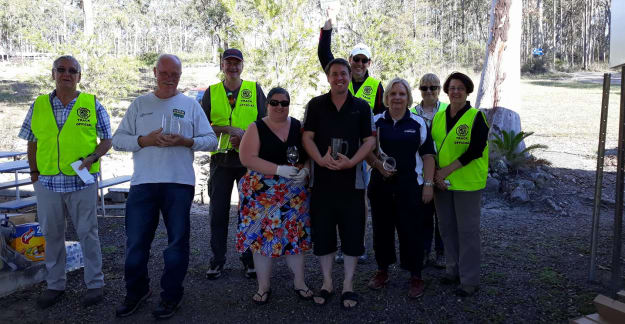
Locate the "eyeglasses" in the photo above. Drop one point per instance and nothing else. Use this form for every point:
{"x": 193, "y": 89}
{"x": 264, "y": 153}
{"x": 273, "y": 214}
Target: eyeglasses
{"x": 459, "y": 89}
{"x": 165, "y": 75}
{"x": 358, "y": 59}
{"x": 283, "y": 103}
{"x": 63, "y": 70}
{"x": 432, "y": 88}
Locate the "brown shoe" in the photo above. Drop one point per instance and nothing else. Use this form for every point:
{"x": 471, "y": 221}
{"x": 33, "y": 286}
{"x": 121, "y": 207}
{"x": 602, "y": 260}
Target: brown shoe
{"x": 379, "y": 280}
{"x": 417, "y": 286}
{"x": 92, "y": 297}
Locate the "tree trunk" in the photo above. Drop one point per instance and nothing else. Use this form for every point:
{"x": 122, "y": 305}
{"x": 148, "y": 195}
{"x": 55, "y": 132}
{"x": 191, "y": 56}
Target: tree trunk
{"x": 87, "y": 8}
{"x": 500, "y": 81}
{"x": 553, "y": 35}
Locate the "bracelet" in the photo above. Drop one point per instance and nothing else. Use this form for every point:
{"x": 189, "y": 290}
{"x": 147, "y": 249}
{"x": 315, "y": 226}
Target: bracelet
{"x": 428, "y": 184}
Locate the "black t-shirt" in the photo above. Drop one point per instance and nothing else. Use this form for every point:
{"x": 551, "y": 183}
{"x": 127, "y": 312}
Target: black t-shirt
{"x": 273, "y": 149}
{"x": 352, "y": 123}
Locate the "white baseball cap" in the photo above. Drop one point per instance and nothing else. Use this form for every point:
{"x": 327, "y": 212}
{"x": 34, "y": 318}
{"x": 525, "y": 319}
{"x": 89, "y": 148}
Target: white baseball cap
{"x": 361, "y": 49}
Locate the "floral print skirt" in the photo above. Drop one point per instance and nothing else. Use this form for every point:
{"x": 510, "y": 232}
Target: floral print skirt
{"x": 273, "y": 215}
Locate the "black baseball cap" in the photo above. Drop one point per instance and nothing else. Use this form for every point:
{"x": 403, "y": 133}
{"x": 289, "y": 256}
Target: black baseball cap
{"x": 232, "y": 53}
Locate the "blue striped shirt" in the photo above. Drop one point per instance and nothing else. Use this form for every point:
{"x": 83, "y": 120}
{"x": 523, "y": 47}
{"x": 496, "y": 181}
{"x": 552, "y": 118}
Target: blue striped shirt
{"x": 62, "y": 182}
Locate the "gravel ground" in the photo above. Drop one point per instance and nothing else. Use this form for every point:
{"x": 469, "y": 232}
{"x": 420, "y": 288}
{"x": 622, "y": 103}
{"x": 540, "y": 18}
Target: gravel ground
{"x": 534, "y": 269}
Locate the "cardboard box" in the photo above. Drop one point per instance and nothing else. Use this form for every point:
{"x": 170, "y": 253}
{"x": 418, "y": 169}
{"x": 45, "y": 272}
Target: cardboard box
{"x": 19, "y": 219}
{"x": 612, "y": 311}
{"x": 29, "y": 241}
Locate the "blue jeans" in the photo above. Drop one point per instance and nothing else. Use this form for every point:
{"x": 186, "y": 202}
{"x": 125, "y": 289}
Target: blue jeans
{"x": 142, "y": 216}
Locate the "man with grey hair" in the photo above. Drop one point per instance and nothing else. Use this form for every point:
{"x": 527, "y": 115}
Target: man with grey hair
{"x": 61, "y": 128}
{"x": 162, "y": 129}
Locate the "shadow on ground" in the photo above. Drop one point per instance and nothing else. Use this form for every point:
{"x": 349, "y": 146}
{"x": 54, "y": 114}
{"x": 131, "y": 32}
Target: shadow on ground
{"x": 18, "y": 92}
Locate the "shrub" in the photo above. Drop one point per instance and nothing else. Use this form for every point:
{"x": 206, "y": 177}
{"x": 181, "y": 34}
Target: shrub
{"x": 507, "y": 147}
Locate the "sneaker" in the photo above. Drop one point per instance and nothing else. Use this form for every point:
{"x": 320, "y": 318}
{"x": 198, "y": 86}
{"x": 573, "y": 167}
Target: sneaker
{"x": 449, "y": 280}
{"x": 466, "y": 291}
{"x": 130, "y": 305}
{"x": 417, "y": 286}
{"x": 250, "y": 272}
{"x": 338, "y": 258}
{"x": 92, "y": 297}
{"x": 49, "y": 297}
{"x": 214, "y": 272}
{"x": 439, "y": 261}
{"x": 379, "y": 280}
{"x": 363, "y": 258}
{"x": 166, "y": 309}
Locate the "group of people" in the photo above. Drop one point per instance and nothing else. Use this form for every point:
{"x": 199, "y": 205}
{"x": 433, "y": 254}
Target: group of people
{"x": 299, "y": 183}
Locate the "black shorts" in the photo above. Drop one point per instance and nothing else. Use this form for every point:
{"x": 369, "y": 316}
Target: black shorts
{"x": 345, "y": 209}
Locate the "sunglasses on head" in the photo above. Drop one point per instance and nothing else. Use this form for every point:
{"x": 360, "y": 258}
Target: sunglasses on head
{"x": 432, "y": 88}
{"x": 283, "y": 103}
{"x": 63, "y": 70}
{"x": 357, "y": 59}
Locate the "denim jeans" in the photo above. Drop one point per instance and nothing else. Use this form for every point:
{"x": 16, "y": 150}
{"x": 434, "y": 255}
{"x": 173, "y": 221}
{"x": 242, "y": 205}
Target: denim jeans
{"x": 145, "y": 201}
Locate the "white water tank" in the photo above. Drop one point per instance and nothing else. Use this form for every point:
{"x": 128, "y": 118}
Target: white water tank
{"x": 617, "y": 39}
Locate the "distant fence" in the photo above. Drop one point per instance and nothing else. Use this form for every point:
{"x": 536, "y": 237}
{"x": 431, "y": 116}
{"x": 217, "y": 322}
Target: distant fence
{"x": 33, "y": 56}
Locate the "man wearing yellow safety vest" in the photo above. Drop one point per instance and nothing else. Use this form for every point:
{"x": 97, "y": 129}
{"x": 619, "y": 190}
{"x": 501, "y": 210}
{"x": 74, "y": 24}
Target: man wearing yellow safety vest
{"x": 230, "y": 105}
{"x": 61, "y": 128}
{"x": 362, "y": 85}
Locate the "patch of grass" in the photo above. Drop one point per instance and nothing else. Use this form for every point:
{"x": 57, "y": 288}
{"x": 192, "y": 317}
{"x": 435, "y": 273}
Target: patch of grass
{"x": 109, "y": 249}
{"x": 583, "y": 302}
{"x": 494, "y": 278}
{"x": 550, "y": 277}
{"x": 568, "y": 84}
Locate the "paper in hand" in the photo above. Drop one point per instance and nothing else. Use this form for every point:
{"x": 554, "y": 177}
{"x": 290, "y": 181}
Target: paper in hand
{"x": 84, "y": 174}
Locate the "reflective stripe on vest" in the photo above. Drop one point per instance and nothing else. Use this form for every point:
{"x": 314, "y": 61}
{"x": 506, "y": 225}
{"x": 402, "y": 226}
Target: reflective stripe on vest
{"x": 450, "y": 146}
{"x": 367, "y": 91}
{"x": 56, "y": 150}
{"x": 244, "y": 113}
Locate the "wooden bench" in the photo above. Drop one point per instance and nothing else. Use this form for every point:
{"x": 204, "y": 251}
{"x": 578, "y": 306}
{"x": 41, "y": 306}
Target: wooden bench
{"x": 19, "y": 203}
{"x": 14, "y": 183}
{"x": 109, "y": 183}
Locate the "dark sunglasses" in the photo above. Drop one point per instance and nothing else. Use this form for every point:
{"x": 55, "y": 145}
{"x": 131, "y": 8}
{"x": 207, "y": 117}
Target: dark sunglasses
{"x": 283, "y": 103}
{"x": 358, "y": 59}
{"x": 432, "y": 88}
{"x": 70, "y": 71}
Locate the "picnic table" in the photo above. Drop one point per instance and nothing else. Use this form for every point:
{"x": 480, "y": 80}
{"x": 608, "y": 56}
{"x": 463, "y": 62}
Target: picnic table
{"x": 10, "y": 154}
{"x": 14, "y": 166}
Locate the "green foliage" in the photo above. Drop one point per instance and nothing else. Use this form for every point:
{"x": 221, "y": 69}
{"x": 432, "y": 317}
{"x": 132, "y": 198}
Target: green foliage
{"x": 108, "y": 77}
{"x": 148, "y": 59}
{"x": 507, "y": 147}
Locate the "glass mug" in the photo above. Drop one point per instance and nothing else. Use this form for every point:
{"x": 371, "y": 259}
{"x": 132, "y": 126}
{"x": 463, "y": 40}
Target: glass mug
{"x": 338, "y": 145}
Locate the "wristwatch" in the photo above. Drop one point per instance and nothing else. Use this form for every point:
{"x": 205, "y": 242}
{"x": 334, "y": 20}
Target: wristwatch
{"x": 428, "y": 183}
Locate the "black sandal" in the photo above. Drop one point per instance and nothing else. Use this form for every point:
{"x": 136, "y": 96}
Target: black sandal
{"x": 305, "y": 295}
{"x": 349, "y": 296}
{"x": 261, "y": 301}
{"x": 326, "y": 295}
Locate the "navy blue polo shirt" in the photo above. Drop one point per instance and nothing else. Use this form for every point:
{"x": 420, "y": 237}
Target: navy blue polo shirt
{"x": 407, "y": 140}
{"x": 352, "y": 123}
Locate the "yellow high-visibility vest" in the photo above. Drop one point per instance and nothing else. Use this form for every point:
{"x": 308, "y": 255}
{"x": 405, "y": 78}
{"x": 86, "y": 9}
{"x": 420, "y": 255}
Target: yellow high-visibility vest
{"x": 450, "y": 146}
{"x": 56, "y": 150}
{"x": 367, "y": 91}
{"x": 244, "y": 113}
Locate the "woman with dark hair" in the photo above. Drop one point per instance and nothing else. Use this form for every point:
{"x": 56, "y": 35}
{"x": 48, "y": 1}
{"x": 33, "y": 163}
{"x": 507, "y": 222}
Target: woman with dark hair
{"x": 273, "y": 199}
{"x": 460, "y": 133}
{"x": 397, "y": 192}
